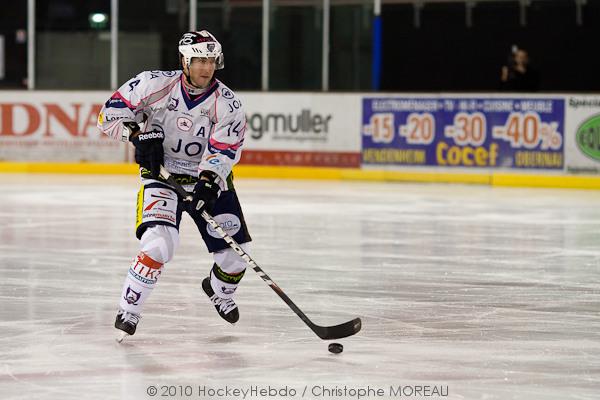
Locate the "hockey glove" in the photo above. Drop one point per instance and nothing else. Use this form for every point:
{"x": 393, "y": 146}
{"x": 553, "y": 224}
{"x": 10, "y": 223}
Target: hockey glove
{"x": 205, "y": 194}
{"x": 149, "y": 152}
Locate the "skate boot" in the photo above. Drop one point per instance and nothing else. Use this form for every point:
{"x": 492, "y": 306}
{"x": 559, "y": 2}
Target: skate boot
{"x": 226, "y": 308}
{"x": 126, "y": 322}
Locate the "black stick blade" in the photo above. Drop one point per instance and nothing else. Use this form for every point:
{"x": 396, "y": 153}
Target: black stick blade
{"x": 337, "y": 331}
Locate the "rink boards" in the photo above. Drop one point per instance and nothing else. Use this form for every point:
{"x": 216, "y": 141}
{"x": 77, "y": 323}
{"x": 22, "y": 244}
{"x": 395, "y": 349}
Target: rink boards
{"x": 489, "y": 138}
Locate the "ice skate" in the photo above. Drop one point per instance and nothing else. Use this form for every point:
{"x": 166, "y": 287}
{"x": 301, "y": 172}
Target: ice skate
{"x": 226, "y": 308}
{"x": 126, "y": 322}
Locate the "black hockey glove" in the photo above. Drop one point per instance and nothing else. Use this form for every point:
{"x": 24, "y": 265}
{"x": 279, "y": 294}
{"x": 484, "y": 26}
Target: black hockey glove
{"x": 149, "y": 152}
{"x": 206, "y": 191}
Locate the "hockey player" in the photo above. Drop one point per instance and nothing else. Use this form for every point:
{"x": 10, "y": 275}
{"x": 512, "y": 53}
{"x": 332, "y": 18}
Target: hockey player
{"x": 193, "y": 124}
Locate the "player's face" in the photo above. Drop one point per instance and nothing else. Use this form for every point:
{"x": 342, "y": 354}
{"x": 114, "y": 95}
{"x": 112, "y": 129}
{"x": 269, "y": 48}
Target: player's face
{"x": 201, "y": 71}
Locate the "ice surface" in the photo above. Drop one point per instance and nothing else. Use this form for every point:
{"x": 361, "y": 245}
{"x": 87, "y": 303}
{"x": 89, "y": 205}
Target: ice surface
{"x": 486, "y": 293}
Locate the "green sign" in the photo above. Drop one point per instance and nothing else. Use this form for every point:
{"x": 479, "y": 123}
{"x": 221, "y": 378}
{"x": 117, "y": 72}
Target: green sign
{"x": 588, "y": 137}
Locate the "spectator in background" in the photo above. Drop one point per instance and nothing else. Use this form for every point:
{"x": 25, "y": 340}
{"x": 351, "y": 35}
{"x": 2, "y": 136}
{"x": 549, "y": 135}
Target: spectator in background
{"x": 518, "y": 75}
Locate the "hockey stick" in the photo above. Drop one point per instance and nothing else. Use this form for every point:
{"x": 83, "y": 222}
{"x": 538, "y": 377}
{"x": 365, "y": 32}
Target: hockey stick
{"x": 324, "y": 332}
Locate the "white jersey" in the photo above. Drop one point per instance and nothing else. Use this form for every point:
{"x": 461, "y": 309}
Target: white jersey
{"x": 205, "y": 133}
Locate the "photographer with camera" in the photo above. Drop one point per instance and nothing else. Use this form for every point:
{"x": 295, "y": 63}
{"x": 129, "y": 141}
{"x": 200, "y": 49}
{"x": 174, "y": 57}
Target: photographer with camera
{"x": 518, "y": 75}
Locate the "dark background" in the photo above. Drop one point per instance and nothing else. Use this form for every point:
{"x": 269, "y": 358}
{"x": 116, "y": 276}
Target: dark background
{"x": 442, "y": 54}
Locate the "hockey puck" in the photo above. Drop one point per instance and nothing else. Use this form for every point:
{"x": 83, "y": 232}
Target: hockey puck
{"x": 335, "y": 348}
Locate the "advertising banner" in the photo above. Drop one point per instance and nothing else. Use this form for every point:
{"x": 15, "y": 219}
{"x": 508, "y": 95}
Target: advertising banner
{"x": 583, "y": 135}
{"x": 471, "y": 132}
{"x": 302, "y": 129}
{"x": 55, "y": 126}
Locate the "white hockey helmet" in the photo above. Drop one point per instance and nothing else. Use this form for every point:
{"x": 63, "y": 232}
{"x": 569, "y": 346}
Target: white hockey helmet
{"x": 201, "y": 44}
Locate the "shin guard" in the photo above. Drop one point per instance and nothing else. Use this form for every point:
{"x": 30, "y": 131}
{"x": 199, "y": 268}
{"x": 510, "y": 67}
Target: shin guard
{"x": 141, "y": 279}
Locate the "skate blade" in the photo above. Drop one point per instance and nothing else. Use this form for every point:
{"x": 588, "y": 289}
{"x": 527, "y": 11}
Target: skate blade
{"x": 121, "y": 336}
